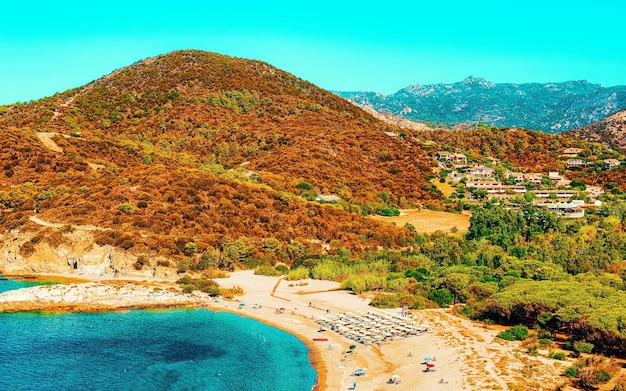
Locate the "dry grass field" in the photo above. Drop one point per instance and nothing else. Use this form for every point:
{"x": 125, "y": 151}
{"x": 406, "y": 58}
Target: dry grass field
{"x": 444, "y": 188}
{"x": 429, "y": 220}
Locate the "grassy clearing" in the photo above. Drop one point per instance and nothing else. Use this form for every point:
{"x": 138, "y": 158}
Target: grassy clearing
{"x": 444, "y": 188}
{"x": 427, "y": 221}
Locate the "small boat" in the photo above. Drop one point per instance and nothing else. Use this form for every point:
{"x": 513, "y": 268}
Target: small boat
{"x": 320, "y": 339}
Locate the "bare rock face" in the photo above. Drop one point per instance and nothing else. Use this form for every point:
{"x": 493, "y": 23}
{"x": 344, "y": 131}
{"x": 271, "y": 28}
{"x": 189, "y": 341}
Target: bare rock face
{"x": 94, "y": 296}
{"x": 77, "y": 253}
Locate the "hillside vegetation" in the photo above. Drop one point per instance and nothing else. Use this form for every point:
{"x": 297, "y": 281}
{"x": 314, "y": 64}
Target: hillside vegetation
{"x": 190, "y": 153}
{"x": 610, "y": 131}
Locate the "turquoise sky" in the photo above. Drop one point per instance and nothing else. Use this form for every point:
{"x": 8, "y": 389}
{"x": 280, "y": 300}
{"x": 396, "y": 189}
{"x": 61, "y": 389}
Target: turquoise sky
{"x": 51, "y": 46}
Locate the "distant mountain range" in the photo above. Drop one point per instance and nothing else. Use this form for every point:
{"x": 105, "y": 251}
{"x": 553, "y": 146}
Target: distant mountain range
{"x": 552, "y": 107}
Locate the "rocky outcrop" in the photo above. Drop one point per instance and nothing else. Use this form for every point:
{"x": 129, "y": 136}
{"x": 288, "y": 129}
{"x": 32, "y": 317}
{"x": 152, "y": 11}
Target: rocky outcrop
{"x": 75, "y": 251}
{"x": 93, "y": 296}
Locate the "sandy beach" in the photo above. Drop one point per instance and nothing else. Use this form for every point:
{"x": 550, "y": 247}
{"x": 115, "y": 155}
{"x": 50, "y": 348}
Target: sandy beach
{"x": 466, "y": 355}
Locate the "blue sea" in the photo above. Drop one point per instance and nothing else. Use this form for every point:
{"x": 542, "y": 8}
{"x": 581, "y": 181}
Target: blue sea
{"x": 149, "y": 350}
{"x": 12, "y": 284}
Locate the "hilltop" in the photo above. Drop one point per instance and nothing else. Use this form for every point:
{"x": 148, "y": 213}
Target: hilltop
{"x": 551, "y": 107}
{"x": 197, "y": 156}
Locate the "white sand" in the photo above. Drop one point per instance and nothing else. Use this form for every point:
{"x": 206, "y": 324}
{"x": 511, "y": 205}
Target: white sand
{"x": 467, "y": 355}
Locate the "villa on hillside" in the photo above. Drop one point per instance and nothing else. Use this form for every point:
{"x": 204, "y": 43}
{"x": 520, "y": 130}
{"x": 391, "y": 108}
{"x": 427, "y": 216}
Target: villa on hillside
{"x": 558, "y": 179}
{"x": 594, "y": 191}
{"x": 572, "y": 152}
{"x": 572, "y": 210}
{"x": 451, "y": 157}
{"x": 535, "y": 178}
{"x": 481, "y": 172}
{"x": 559, "y": 194}
{"x": 611, "y": 163}
{"x": 328, "y": 198}
{"x": 577, "y": 163}
{"x": 495, "y": 187}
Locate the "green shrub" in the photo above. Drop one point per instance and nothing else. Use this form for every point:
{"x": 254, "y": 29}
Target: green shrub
{"x": 520, "y": 333}
{"x": 385, "y": 300}
{"x": 212, "y": 290}
{"x": 604, "y": 376}
{"x": 545, "y": 342}
{"x": 300, "y": 273}
{"x": 506, "y": 335}
{"x": 127, "y": 207}
{"x": 266, "y": 270}
{"x": 442, "y": 297}
{"x": 583, "y": 347}
{"x": 515, "y": 333}
{"x": 389, "y": 211}
{"x": 571, "y": 372}
{"x": 557, "y": 355}
{"x": 282, "y": 268}
{"x": 304, "y": 186}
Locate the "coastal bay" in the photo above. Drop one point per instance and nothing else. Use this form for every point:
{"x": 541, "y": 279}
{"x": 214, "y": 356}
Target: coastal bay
{"x": 467, "y": 354}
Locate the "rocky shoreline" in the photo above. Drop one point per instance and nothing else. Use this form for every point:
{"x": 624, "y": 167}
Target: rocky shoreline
{"x": 97, "y": 297}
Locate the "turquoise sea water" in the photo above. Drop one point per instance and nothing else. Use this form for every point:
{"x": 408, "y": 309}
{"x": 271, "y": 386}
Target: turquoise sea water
{"x": 12, "y": 284}
{"x": 149, "y": 350}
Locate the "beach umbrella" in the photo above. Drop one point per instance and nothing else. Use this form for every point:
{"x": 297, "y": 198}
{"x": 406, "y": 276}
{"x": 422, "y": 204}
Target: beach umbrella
{"x": 430, "y": 365}
{"x": 395, "y": 376}
{"x": 428, "y": 358}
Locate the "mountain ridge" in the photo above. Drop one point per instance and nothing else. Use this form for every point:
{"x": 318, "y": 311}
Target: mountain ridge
{"x": 550, "y": 107}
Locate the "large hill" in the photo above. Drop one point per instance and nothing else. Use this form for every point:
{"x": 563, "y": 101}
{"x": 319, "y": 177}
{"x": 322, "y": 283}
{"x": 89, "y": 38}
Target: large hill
{"x": 611, "y": 131}
{"x": 552, "y": 107}
{"x": 194, "y": 153}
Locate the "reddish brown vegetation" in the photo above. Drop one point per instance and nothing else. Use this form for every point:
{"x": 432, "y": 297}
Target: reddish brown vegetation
{"x": 165, "y": 132}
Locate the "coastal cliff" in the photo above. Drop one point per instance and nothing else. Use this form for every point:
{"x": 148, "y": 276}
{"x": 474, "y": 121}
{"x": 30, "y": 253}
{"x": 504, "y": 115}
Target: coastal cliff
{"x": 72, "y": 250}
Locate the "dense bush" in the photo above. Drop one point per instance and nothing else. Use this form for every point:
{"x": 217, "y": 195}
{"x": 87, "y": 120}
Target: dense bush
{"x": 442, "y": 297}
{"x": 266, "y": 270}
{"x": 515, "y": 333}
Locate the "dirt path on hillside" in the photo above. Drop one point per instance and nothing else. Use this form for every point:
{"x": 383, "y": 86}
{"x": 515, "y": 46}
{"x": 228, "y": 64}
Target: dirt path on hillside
{"x": 59, "y": 110}
{"x": 43, "y": 223}
{"x": 46, "y": 139}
